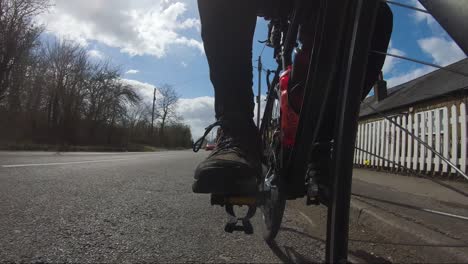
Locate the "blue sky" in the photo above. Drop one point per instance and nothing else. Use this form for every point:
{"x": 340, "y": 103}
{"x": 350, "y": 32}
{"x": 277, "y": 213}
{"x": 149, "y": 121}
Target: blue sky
{"x": 158, "y": 42}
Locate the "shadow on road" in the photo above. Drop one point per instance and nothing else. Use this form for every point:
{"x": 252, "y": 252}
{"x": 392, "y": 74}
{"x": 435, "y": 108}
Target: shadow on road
{"x": 288, "y": 254}
{"x": 448, "y": 186}
{"x": 368, "y": 258}
{"x": 378, "y": 242}
{"x": 287, "y": 229}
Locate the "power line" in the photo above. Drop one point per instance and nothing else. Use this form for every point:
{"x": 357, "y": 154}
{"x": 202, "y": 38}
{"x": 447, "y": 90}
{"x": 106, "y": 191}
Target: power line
{"x": 261, "y": 53}
{"x": 263, "y": 70}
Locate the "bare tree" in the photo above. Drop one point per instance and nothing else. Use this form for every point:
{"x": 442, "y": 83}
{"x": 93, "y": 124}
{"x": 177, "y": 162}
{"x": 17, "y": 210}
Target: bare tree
{"x": 68, "y": 71}
{"x": 18, "y": 35}
{"x": 51, "y": 92}
{"x": 166, "y": 107}
{"x": 137, "y": 120}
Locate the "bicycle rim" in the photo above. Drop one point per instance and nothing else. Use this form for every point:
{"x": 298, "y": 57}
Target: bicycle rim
{"x": 274, "y": 199}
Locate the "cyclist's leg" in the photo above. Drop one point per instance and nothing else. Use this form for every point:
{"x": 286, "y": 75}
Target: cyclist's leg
{"x": 227, "y": 31}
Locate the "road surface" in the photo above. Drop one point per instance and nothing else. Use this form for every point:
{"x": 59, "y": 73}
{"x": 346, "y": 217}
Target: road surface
{"x": 127, "y": 207}
{"x": 139, "y": 207}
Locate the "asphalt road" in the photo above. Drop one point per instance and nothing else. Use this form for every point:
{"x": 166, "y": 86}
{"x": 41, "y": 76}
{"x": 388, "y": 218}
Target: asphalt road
{"x": 127, "y": 207}
{"x": 139, "y": 207}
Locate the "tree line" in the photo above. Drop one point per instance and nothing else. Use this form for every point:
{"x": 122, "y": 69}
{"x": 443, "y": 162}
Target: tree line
{"x": 52, "y": 92}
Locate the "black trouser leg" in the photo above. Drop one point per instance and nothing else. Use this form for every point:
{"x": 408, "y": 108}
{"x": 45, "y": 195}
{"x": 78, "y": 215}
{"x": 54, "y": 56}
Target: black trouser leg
{"x": 227, "y": 31}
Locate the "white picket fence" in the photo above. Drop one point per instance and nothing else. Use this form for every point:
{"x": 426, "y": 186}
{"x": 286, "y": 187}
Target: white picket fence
{"x": 444, "y": 129}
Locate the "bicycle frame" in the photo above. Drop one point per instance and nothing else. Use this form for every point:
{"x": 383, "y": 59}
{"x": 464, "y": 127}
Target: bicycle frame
{"x": 338, "y": 98}
{"x": 328, "y": 118}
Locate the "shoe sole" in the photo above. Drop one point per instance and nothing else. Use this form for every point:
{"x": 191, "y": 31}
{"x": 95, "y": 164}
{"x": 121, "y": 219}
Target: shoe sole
{"x": 226, "y": 181}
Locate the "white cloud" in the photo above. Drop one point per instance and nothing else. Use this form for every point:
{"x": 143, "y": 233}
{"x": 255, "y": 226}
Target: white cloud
{"x": 144, "y": 90}
{"x": 421, "y": 16}
{"x": 184, "y": 64}
{"x": 132, "y": 71}
{"x": 443, "y": 51}
{"x": 198, "y": 113}
{"x": 408, "y": 76}
{"x": 391, "y": 62}
{"x": 96, "y": 54}
{"x": 440, "y": 48}
{"x": 139, "y": 27}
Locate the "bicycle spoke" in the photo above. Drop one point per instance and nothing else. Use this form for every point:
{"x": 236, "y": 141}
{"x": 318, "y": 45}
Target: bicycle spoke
{"x": 420, "y": 62}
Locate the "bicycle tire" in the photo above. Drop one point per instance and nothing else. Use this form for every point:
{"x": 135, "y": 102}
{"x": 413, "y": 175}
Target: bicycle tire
{"x": 274, "y": 199}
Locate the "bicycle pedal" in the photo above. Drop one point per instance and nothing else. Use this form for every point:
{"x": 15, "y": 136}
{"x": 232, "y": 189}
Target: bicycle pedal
{"x": 233, "y": 221}
{"x": 246, "y": 227}
{"x": 223, "y": 200}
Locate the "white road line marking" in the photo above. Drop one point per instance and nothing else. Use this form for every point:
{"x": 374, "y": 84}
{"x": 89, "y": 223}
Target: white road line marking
{"x": 63, "y": 163}
{"x": 307, "y": 218}
{"x": 446, "y": 214}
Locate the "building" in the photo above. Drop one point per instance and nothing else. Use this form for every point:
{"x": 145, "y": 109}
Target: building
{"x": 433, "y": 107}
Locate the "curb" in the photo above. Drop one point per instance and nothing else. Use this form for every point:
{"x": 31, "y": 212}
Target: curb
{"x": 391, "y": 225}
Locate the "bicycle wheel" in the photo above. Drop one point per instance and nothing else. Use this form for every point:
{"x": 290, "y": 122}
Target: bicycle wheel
{"x": 328, "y": 120}
{"x": 271, "y": 184}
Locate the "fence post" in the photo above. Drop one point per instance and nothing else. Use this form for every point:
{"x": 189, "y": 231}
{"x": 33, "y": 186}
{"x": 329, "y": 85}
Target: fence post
{"x": 463, "y": 137}
{"x": 363, "y": 142}
{"x": 360, "y": 144}
{"x": 356, "y": 151}
{"x": 397, "y": 144}
{"x": 374, "y": 130}
{"x": 410, "y": 142}
{"x": 403, "y": 142}
{"x": 387, "y": 142}
{"x": 392, "y": 144}
{"x": 369, "y": 147}
{"x": 416, "y": 143}
{"x": 382, "y": 142}
{"x": 445, "y": 123}
{"x": 377, "y": 144}
{"x": 430, "y": 136}
{"x": 422, "y": 150}
{"x": 454, "y": 123}
{"x": 366, "y": 137}
{"x": 437, "y": 141}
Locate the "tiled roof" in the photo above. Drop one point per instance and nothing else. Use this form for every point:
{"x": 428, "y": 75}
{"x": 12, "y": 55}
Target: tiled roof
{"x": 429, "y": 86}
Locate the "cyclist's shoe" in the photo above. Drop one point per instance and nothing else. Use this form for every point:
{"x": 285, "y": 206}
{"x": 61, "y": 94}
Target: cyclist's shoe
{"x": 234, "y": 165}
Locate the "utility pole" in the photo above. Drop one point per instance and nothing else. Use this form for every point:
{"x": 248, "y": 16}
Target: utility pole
{"x": 152, "y": 113}
{"x": 259, "y": 89}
